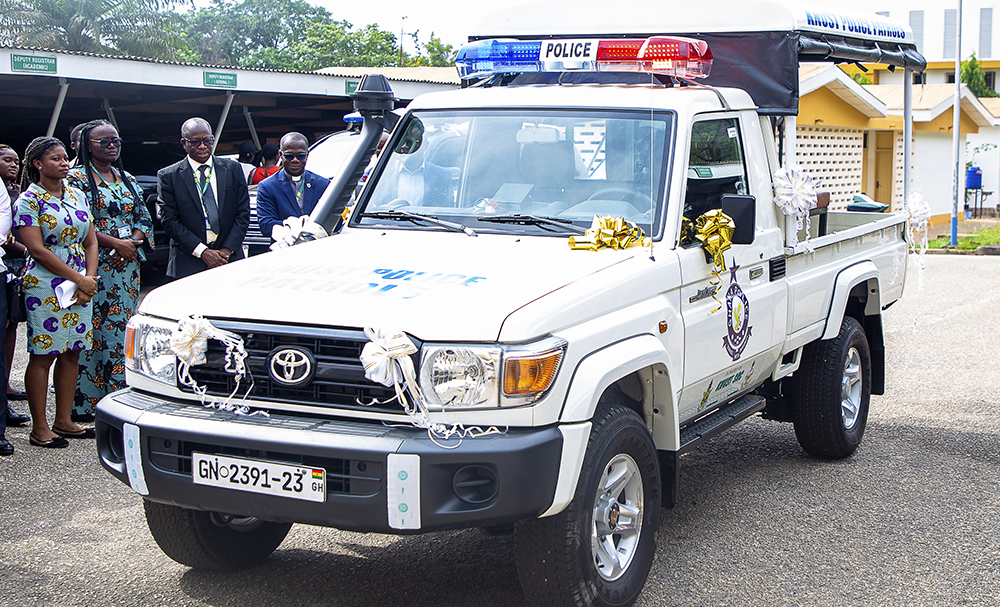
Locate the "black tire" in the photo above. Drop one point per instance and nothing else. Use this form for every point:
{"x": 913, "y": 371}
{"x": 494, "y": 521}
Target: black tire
{"x": 830, "y": 393}
{"x": 212, "y": 541}
{"x": 557, "y": 556}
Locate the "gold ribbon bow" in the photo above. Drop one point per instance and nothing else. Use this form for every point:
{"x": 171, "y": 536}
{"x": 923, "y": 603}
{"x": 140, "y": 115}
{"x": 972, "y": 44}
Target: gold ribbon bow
{"x": 714, "y": 230}
{"x": 609, "y": 232}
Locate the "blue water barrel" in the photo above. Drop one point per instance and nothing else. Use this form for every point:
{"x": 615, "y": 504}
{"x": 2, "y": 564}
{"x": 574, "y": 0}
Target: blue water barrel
{"x": 974, "y": 178}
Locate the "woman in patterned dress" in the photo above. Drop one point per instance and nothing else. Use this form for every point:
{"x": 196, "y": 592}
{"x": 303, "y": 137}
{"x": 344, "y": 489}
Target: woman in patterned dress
{"x": 54, "y": 223}
{"x": 121, "y": 224}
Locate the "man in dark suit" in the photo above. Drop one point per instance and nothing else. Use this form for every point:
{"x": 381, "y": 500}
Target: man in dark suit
{"x": 292, "y": 191}
{"x": 204, "y": 205}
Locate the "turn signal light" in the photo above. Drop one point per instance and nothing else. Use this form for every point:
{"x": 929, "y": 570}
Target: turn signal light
{"x": 531, "y": 374}
{"x": 129, "y": 345}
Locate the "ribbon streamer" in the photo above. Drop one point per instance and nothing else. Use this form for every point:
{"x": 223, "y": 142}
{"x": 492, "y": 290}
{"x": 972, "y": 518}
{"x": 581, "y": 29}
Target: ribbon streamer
{"x": 288, "y": 232}
{"x": 920, "y": 216}
{"x": 190, "y": 343}
{"x": 795, "y": 195}
{"x": 714, "y": 230}
{"x": 609, "y": 232}
{"x": 386, "y": 359}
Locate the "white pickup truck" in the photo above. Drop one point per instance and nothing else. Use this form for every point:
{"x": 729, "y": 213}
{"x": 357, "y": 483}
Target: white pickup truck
{"x": 554, "y": 389}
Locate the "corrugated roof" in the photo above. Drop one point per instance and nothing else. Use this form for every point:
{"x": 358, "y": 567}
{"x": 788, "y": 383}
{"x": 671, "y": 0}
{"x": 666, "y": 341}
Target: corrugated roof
{"x": 992, "y": 104}
{"x": 429, "y": 75}
{"x": 147, "y": 59}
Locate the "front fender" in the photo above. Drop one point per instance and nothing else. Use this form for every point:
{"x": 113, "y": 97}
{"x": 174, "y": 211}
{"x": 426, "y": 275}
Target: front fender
{"x": 599, "y": 369}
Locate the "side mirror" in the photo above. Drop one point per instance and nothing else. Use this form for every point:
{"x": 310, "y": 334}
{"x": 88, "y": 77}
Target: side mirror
{"x": 743, "y": 210}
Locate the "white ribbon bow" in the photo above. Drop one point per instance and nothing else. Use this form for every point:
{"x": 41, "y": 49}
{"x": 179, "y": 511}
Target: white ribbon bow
{"x": 190, "y": 342}
{"x": 387, "y": 361}
{"x": 795, "y": 195}
{"x": 286, "y": 234}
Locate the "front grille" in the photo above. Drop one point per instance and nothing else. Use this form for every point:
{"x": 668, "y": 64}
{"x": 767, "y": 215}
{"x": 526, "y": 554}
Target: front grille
{"x": 343, "y": 476}
{"x": 339, "y": 380}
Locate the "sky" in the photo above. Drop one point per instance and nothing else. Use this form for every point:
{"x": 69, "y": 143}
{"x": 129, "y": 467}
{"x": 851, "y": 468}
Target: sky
{"x": 452, "y": 22}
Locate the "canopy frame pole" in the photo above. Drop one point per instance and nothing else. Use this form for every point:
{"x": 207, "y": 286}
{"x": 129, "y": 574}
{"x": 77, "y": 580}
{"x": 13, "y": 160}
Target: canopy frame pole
{"x": 60, "y": 100}
{"x": 253, "y": 130}
{"x": 907, "y": 136}
{"x": 110, "y": 111}
{"x": 222, "y": 119}
{"x": 791, "y": 238}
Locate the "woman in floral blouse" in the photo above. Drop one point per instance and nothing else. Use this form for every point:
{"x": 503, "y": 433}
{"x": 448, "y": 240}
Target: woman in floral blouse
{"x": 121, "y": 223}
{"x": 54, "y": 223}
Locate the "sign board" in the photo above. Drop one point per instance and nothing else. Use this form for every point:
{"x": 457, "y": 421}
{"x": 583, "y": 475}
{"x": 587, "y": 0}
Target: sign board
{"x": 350, "y": 86}
{"x": 224, "y": 80}
{"x": 35, "y": 64}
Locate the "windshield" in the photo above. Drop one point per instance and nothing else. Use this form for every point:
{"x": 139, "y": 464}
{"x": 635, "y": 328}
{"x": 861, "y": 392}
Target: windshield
{"x": 569, "y": 165}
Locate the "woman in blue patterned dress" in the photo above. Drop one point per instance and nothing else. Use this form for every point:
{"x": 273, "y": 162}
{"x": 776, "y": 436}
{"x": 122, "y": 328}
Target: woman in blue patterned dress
{"x": 121, "y": 223}
{"x": 54, "y": 223}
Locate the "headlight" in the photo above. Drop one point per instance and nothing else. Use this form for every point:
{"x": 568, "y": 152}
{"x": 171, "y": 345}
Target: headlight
{"x": 147, "y": 348}
{"x": 465, "y": 376}
{"x": 460, "y": 376}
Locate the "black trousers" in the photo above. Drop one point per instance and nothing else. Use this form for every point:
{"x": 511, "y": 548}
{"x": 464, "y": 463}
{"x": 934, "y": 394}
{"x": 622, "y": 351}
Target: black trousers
{"x": 3, "y": 357}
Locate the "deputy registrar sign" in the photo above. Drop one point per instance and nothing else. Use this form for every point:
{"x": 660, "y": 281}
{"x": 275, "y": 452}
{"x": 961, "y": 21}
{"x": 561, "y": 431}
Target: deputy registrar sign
{"x": 32, "y": 63}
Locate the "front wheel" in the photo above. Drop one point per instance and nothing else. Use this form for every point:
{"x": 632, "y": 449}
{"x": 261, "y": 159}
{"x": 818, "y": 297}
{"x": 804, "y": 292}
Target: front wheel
{"x": 831, "y": 391}
{"x": 598, "y": 551}
{"x": 211, "y": 540}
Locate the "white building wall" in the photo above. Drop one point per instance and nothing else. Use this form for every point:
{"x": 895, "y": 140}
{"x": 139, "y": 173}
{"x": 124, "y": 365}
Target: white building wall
{"x": 932, "y": 171}
{"x": 932, "y": 47}
{"x": 988, "y": 161}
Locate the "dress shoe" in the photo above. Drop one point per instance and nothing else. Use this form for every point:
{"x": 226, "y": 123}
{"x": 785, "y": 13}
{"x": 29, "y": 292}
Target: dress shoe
{"x": 16, "y": 419}
{"x": 82, "y": 418}
{"x": 5, "y": 447}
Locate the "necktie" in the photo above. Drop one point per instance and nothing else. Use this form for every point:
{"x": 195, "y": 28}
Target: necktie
{"x": 208, "y": 199}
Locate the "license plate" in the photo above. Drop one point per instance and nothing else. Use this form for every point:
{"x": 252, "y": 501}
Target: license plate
{"x": 296, "y": 482}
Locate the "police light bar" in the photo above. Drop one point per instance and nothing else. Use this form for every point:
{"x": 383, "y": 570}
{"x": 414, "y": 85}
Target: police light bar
{"x": 671, "y": 56}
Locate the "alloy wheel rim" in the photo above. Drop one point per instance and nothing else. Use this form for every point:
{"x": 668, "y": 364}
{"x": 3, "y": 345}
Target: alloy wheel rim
{"x": 850, "y": 389}
{"x": 617, "y": 519}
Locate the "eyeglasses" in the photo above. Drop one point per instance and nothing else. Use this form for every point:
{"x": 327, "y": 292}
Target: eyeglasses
{"x": 107, "y": 142}
{"x": 196, "y": 143}
{"x": 299, "y": 156}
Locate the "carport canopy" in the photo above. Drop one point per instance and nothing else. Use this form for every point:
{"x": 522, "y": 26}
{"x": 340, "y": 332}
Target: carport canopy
{"x": 48, "y": 92}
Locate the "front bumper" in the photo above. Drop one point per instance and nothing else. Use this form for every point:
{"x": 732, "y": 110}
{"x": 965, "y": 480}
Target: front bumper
{"x": 485, "y": 481}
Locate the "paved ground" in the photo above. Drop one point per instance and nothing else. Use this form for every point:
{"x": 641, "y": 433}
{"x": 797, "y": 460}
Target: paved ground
{"x": 910, "y": 519}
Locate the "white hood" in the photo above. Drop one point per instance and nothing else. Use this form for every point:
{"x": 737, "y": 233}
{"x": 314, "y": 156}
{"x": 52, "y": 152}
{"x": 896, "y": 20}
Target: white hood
{"x": 462, "y": 289}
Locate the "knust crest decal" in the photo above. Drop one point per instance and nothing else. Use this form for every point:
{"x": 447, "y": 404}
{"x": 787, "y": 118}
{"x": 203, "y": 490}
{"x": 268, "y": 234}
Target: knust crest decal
{"x": 737, "y": 317}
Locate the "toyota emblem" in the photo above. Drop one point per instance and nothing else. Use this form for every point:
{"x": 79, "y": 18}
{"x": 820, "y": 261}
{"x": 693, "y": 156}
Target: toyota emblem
{"x": 291, "y": 366}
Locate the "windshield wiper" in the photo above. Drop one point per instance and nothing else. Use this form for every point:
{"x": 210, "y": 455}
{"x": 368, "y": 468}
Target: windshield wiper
{"x": 415, "y": 217}
{"x": 566, "y": 225}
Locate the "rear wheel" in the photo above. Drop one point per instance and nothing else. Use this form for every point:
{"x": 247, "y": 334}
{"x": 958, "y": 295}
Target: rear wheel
{"x": 598, "y": 551}
{"x": 211, "y": 540}
{"x": 831, "y": 391}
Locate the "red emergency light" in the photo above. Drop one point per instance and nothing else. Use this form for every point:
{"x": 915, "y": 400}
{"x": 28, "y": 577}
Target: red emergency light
{"x": 673, "y": 56}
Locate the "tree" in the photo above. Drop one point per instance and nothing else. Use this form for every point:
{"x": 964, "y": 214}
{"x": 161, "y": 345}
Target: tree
{"x": 251, "y": 33}
{"x": 131, "y": 27}
{"x": 974, "y": 76}
{"x": 334, "y": 43}
{"x": 439, "y": 54}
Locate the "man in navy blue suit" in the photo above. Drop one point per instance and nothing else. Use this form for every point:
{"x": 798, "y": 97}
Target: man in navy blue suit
{"x": 292, "y": 191}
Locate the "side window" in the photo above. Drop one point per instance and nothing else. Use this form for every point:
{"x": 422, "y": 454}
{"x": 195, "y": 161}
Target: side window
{"x": 715, "y": 167}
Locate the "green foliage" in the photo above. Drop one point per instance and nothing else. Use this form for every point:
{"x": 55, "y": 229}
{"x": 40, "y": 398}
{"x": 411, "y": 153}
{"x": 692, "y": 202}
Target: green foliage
{"x": 973, "y": 241}
{"x": 270, "y": 34}
{"x": 439, "y": 54}
{"x": 130, "y": 27}
{"x": 974, "y": 77}
{"x": 861, "y": 78}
